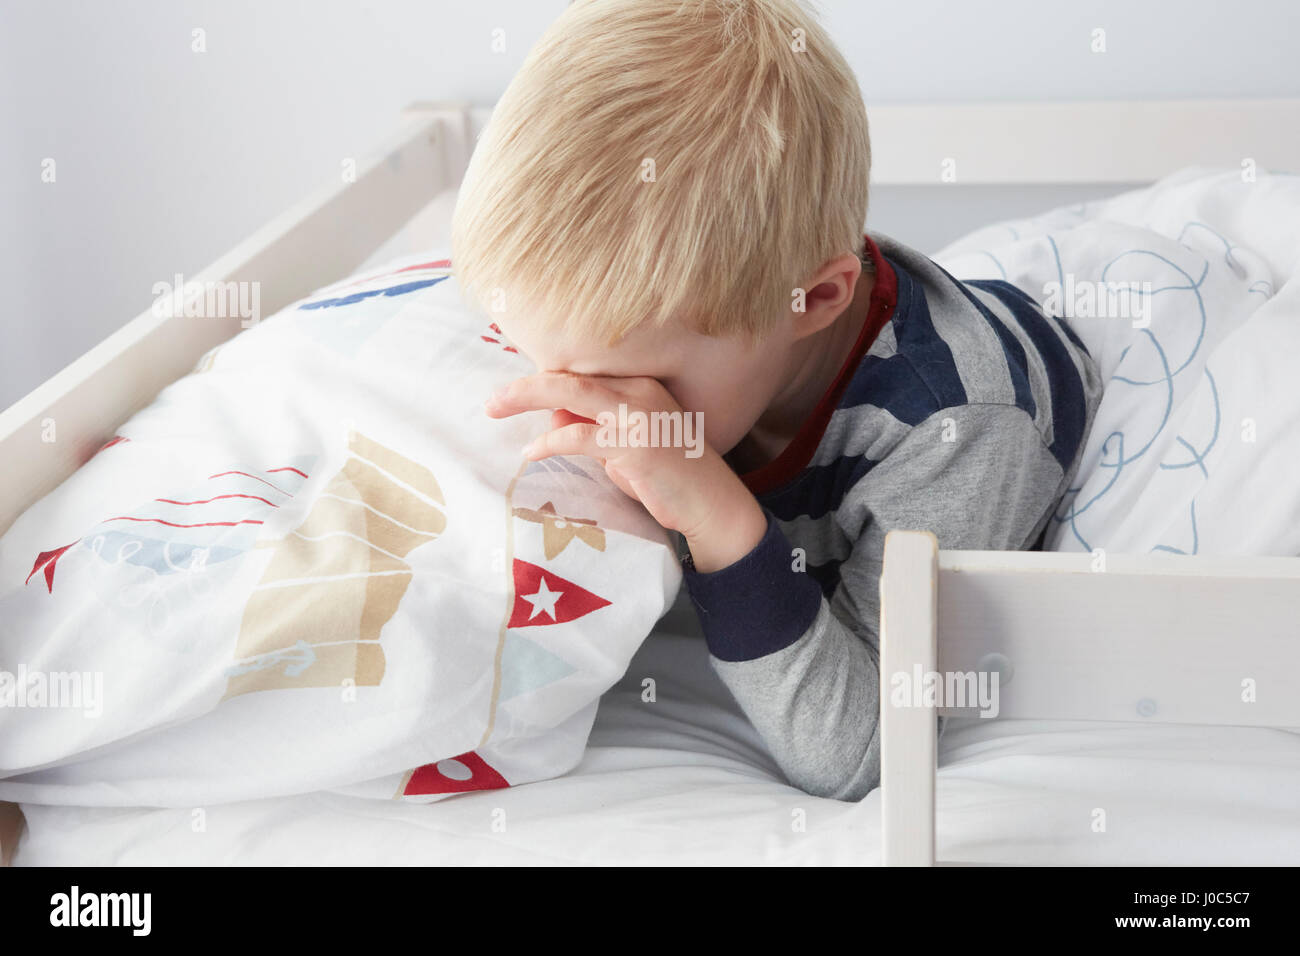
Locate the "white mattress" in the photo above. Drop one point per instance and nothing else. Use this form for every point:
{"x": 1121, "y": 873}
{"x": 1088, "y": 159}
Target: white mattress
{"x": 686, "y": 780}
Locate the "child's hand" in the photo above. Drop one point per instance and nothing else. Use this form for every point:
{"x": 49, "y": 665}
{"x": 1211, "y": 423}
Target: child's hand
{"x": 696, "y": 494}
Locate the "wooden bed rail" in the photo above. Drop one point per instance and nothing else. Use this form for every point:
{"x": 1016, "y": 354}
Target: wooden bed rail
{"x": 1070, "y": 636}
{"x": 47, "y": 435}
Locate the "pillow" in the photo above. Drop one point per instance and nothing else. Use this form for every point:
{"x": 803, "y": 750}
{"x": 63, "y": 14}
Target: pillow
{"x": 315, "y": 563}
{"x": 1188, "y": 295}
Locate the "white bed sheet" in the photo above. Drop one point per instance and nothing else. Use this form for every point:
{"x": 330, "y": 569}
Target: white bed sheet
{"x": 686, "y": 780}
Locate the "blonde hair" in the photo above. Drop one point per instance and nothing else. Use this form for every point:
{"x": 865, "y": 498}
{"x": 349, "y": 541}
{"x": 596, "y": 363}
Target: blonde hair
{"x": 661, "y": 157}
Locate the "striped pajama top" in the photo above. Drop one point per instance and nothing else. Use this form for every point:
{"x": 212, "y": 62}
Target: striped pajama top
{"x": 963, "y": 410}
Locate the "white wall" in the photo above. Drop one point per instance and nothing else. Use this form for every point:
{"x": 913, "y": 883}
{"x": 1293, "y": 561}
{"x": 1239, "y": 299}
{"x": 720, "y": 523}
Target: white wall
{"x": 167, "y": 157}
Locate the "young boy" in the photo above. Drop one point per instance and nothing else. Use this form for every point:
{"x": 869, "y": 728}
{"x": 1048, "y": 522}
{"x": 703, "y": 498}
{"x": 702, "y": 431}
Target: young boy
{"x": 666, "y": 212}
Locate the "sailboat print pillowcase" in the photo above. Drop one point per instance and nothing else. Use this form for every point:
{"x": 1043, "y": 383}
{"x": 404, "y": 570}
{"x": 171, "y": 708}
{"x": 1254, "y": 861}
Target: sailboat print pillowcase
{"x": 314, "y": 563}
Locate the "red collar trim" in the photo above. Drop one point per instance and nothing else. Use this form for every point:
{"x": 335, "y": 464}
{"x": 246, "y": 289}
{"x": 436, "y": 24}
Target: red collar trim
{"x": 787, "y": 465}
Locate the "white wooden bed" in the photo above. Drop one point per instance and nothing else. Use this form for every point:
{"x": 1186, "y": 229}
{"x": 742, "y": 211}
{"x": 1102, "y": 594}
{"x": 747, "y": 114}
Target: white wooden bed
{"x": 1069, "y": 641}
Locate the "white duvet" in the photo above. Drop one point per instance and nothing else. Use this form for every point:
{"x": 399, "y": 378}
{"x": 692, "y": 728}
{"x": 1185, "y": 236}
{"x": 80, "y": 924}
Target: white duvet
{"x": 1195, "y": 450}
{"x": 315, "y": 563}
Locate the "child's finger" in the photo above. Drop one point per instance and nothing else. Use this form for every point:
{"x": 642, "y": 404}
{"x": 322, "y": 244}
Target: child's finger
{"x": 580, "y": 394}
{"x": 578, "y": 438}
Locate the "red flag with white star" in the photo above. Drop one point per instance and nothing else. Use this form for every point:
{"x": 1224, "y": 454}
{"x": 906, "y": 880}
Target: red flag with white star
{"x": 543, "y": 597}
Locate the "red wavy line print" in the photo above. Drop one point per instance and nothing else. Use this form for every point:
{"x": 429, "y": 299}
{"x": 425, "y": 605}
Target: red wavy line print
{"x": 247, "y": 475}
{"x": 204, "y": 524}
{"x": 169, "y": 501}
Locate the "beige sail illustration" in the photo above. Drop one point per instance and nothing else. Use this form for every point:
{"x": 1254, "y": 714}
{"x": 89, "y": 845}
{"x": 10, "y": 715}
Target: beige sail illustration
{"x": 314, "y": 618}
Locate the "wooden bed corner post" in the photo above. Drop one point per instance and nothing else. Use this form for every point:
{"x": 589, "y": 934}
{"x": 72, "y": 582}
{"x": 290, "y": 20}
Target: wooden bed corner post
{"x": 909, "y": 732}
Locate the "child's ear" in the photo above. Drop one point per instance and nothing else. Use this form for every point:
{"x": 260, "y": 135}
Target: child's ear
{"x": 827, "y": 293}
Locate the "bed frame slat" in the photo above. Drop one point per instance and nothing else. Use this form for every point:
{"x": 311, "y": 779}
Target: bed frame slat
{"x": 909, "y": 750}
{"x": 1129, "y": 141}
{"x": 1158, "y": 638}
{"x": 1162, "y": 639}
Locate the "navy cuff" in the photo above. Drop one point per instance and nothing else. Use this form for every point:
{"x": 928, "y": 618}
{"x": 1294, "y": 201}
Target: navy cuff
{"x": 756, "y": 605}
